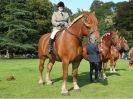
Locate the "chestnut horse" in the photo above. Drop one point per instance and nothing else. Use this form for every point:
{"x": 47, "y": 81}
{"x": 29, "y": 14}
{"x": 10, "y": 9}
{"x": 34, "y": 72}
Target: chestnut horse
{"x": 115, "y": 53}
{"x": 130, "y": 53}
{"x": 67, "y": 48}
{"x": 107, "y": 40}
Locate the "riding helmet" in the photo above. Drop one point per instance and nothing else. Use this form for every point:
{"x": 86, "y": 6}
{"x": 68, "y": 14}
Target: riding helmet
{"x": 60, "y": 4}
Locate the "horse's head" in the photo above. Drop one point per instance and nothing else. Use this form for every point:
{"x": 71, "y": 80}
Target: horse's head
{"x": 123, "y": 44}
{"x": 111, "y": 38}
{"x": 83, "y": 25}
{"x": 115, "y": 39}
{"x": 90, "y": 24}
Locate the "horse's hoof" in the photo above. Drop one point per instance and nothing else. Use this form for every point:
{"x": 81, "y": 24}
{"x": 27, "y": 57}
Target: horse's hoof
{"x": 49, "y": 82}
{"x": 77, "y": 90}
{"x": 114, "y": 71}
{"x": 65, "y": 94}
{"x": 41, "y": 82}
{"x": 104, "y": 78}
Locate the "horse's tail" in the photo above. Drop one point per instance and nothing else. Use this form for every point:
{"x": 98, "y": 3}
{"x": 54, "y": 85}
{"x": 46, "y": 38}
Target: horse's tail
{"x": 43, "y": 45}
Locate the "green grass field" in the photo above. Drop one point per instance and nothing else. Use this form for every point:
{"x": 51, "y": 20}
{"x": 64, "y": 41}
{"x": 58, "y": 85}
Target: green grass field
{"x": 118, "y": 85}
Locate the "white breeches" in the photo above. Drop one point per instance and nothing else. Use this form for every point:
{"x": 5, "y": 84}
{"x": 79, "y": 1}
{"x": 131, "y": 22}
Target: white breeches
{"x": 53, "y": 34}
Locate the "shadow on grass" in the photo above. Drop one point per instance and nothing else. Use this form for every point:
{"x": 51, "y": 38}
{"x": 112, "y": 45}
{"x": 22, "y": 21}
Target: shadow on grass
{"x": 115, "y": 73}
{"x": 117, "y": 70}
{"x": 83, "y": 79}
{"x": 121, "y": 70}
{"x": 110, "y": 74}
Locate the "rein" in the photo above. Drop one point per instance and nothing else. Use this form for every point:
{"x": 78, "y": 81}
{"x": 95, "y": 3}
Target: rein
{"x": 79, "y": 38}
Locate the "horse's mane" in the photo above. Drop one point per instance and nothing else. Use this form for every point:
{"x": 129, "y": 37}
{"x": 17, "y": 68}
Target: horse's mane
{"x": 75, "y": 20}
{"x": 105, "y": 35}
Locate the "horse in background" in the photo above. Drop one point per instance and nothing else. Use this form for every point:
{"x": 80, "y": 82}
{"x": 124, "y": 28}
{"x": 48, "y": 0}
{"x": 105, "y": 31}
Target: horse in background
{"x": 115, "y": 53}
{"x": 107, "y": 40}
{"x": 67, "y": 48}
{"x": 130, "y": 53}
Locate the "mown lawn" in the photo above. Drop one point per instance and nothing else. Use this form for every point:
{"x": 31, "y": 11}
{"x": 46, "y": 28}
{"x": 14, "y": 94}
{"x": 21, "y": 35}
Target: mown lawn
{"x": 118, "y": 85}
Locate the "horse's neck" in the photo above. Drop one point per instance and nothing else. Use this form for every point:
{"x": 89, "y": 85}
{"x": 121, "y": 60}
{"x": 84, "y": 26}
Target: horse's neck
{"x": 106, "y": 42}
{"x": 75, "y": 28}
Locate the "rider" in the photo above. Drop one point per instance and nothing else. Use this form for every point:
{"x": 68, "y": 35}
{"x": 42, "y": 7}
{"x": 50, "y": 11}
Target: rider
{"x": 60, "y": 20}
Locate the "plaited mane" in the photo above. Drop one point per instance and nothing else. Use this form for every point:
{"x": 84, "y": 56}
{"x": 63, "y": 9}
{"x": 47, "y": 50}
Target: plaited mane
{"x": 75, "y": 20}
{"x": 106, "y": 34}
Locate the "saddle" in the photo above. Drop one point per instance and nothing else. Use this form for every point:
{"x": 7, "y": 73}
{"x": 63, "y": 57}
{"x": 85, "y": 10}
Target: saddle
{"x": 52, "y": 48}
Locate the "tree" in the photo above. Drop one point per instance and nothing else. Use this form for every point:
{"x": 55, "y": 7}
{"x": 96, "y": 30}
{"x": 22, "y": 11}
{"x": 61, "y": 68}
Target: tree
{"x": 124, "y": 20}
{"x": 22, "y": 22}
{"x": 105, "y": 13}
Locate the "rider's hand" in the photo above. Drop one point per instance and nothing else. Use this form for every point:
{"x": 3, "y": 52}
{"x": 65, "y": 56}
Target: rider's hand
{"x": 101, "y": 49}
{"x": 62, "y": 24}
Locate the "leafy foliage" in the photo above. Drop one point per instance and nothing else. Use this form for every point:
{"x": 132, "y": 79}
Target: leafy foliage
{"x": 124, "y": 20}
{"x": 22, "y": 22}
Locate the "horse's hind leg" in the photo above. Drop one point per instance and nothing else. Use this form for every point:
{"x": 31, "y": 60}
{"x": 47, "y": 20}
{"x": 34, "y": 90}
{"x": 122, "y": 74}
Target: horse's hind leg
{"x": 130, "y": 64}
{"x": 104, "y": 70}
{"x": 41, "y": 67}
{"x": 111, "y": 66}
{"x": 49, "y": 68}
{"x": 75, "y": 66}
{"x": 114, "y": 66}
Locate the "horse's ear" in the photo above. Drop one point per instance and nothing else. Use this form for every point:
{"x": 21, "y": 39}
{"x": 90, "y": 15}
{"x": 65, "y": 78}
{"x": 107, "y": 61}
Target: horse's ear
{"x": 117, "y": 31}
{"x": 84, "y": 12}
{"x": 124, "y": 39}
{"x": 93, "y": 12}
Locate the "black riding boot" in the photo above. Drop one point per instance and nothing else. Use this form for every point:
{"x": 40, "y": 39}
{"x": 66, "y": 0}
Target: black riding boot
{"x": 50, "y": 45}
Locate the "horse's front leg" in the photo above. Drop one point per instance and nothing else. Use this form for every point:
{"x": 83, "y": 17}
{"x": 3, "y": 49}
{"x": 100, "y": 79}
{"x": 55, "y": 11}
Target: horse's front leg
{"x": 64, "y": 90}
{"x": 75, "y": 66}
{"x": 49, "y": 68}
{"x": 104, "y": 70}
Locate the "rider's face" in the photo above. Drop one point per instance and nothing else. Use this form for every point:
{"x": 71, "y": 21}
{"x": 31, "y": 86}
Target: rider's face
{"x": 60, "y": 9}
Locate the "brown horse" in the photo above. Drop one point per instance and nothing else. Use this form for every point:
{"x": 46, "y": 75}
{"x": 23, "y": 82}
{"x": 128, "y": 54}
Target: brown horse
{"x": 115, "y": 53}
{"x": 107, "y": 40}
{"x": 130, "y": 53}
{"x": 67, "y": 48}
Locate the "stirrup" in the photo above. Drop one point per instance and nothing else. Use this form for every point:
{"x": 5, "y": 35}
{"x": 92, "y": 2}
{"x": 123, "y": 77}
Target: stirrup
{"x": 50, "y": 50}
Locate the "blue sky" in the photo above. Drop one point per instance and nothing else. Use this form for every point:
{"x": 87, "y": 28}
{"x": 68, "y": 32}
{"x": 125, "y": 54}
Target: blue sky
{"x": 81, "y": 4}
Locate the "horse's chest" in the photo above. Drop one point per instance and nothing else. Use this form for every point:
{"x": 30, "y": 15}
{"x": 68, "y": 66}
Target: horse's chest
{"x": 76, "y": 54}
{"x": 106, "y": 55}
